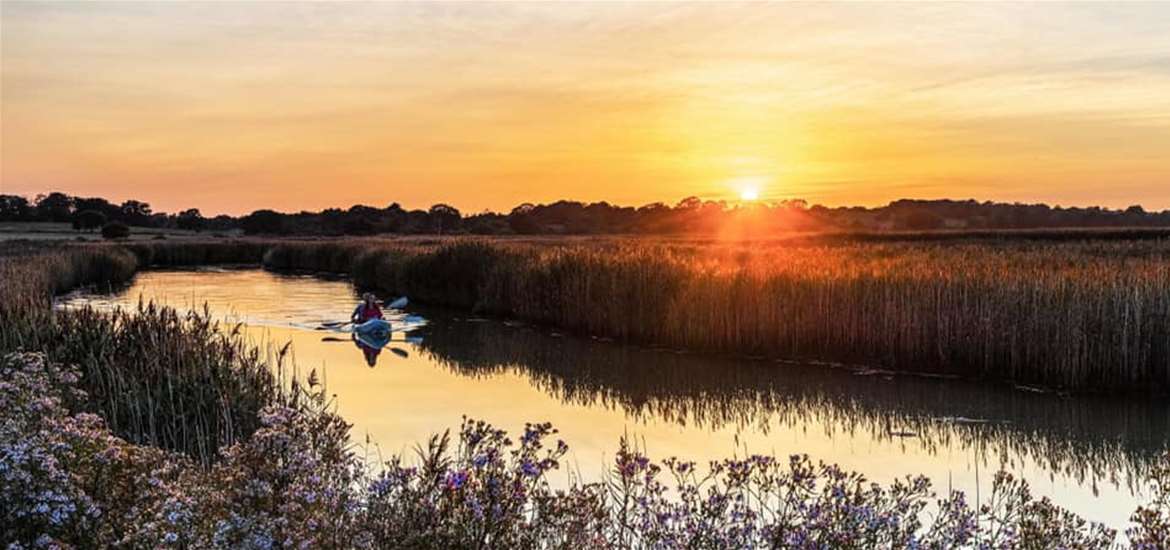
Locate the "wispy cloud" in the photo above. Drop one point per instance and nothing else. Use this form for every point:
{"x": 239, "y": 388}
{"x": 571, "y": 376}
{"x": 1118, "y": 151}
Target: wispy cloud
{"x": 486, "y": 105}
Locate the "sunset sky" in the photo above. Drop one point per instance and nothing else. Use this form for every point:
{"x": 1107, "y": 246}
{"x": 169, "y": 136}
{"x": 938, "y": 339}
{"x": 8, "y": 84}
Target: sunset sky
{"x": 230, "y": 107}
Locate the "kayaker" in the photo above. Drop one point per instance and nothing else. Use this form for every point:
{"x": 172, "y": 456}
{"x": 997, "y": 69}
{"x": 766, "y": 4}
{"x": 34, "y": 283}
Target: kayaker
{"x": 367, "y": 310}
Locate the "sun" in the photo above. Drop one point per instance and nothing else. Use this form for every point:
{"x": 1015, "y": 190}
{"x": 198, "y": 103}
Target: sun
{"x": 747, "y": 187}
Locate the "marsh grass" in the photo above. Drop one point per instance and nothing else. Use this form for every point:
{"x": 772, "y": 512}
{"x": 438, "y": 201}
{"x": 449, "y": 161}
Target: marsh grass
{"x": 168, "y": 379}
{"x": 159, "y": 377}
{"x": 1084, "y": 315}
{"x": 1072, "y": 314}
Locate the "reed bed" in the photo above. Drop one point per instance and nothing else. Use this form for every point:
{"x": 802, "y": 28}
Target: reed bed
{"x": 158, "y": 377}
{"x": 1078, "y": 315}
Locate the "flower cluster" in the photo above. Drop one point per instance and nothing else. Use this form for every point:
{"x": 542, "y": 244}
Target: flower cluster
{"x": 65, "y": 480}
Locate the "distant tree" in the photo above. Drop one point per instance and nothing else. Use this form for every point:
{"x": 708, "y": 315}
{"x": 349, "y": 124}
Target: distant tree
{"x": 222, "y": 222}
{"x": 393, "y": 218}
{"x": 521, "y": 221}
{"x": 444, "y": 217}
{"x": 54, "y": 207}
{"x": 96, "y": 204}
{"x": 191, "y": 220}
{"x": 135, "y": 212}
{"x": 358, "y": 225}
{"x": 361, "y": 220}
{"x": 333, "y": 221}
{"x": 689, "y": 203}
{"x": 88, "y": 220}
{"x": 115, "y": 230}
{"x": 416, "y": 221}
{"x": 921, "y": 220}
{"x": 14, "y": 208}
{"x": 263, "y": 221}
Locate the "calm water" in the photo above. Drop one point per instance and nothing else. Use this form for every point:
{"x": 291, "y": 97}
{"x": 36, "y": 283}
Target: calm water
{"x": 1088, "y": 454}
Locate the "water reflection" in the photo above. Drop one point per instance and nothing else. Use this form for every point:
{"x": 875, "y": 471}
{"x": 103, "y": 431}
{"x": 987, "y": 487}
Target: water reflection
{"x": 369, "y": 351}
{"x": 1092, "y": 440}
{"x": 371, "y": 348}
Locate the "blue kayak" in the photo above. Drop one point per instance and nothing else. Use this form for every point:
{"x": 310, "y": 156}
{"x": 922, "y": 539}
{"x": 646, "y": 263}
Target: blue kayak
{"x": 374, "y": 333}
{"x": 374, "y": 328}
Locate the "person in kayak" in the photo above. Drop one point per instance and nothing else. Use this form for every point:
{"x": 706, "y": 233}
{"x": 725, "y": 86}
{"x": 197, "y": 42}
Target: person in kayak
{"x": 366, "y": 310}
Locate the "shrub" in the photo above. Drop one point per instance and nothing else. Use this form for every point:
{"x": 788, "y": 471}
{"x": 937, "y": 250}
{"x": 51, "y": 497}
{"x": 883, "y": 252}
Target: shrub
{"x": 115, "y": 230}
{"x": 88, "y": 220}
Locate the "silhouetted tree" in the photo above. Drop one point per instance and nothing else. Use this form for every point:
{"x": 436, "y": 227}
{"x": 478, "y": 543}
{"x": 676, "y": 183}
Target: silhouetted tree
{"x": 263, "y": 221}
{"x": 520, "y": 220}
{"x": 444, "y": 216}
{"x": 190, "y": 220}
{"x": 88, "y": 220}
{"x": 15, "y": 208}
{"x": 921, "y": 220}
{"x": 135, "y": 212}
{"x": 97, "y": 204}
{"x": 54, "y": 207}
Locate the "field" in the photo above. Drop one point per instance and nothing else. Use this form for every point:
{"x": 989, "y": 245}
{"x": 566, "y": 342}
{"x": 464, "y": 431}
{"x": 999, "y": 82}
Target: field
{"x": 216, "y": 447}
{"x": 54, "y": 231}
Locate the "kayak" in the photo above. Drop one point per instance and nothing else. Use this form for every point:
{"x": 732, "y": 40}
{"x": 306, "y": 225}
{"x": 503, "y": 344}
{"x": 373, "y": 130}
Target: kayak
{"x": 373, "y": 328}
{"x": 374, "y": 333}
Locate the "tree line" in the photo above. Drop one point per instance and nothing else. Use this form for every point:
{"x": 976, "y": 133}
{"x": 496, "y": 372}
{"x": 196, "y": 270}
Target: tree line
{"x": 689, "y": 216}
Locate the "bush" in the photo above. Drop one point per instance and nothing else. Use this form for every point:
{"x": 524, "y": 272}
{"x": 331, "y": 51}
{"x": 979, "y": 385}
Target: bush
{"x": 115, "y": 230}
{"x": 88, "y": 220}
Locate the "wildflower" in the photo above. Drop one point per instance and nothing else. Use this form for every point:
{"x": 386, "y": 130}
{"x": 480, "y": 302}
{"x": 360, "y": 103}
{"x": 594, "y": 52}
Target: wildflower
{"x": 455, "y": 480}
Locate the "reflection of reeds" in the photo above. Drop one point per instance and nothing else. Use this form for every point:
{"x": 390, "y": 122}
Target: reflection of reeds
{"x": 1094, "y": 440}
{"x": 1075, "y": 314}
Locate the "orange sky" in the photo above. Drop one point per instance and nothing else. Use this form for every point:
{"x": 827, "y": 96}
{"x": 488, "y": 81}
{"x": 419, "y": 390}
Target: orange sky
{"x": 230, "y": 107}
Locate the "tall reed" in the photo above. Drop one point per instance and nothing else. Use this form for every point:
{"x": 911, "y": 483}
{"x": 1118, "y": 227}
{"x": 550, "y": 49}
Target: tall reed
{"x": 1084, "y": 315}
{"x": 158, "y": 377}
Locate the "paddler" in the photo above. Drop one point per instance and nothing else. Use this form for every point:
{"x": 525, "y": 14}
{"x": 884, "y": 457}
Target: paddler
{"x": 367, "y": 310}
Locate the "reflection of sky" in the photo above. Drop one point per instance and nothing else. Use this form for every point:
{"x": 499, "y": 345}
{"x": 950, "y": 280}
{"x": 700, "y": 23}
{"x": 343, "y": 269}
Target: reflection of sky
{"x": 235, "y": 106}
{"x": 403, "y": 400}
